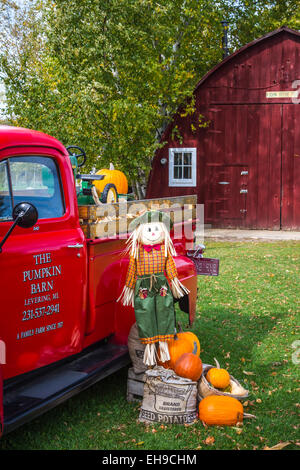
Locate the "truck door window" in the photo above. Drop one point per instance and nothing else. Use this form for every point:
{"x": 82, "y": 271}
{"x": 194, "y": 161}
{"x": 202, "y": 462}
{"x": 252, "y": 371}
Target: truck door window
{"x": 36, "y": 180}
{"x": 5, "y": 197}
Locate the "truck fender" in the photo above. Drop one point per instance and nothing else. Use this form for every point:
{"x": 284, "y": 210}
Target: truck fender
{"x": 188, "y": 276}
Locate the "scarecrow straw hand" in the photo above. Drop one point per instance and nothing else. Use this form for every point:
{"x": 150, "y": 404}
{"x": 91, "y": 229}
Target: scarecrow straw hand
{"x": 178, "y": 289}
{"x": 127, "y": 296}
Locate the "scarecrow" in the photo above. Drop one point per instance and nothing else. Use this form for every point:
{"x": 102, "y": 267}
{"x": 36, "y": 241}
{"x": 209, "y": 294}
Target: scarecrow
{"x": 152, "y": 282}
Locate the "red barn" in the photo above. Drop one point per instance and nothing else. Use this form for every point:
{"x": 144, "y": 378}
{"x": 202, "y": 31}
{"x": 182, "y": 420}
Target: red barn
{"x": 245, "y": 166}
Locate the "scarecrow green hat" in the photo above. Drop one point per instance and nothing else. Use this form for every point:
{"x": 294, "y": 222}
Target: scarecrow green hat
{"x": 152, "y": 216}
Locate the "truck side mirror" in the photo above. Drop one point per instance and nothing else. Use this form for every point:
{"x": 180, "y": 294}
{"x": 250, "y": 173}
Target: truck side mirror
{"x": 24, "y": 215}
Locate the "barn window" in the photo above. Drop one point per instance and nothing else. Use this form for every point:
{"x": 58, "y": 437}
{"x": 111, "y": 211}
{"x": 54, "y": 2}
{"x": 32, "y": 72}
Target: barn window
{"x": 182, "y": 167}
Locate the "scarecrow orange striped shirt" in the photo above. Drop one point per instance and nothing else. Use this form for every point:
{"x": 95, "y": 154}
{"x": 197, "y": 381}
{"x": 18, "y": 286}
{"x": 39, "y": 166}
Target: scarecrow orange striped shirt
{"x": 151, "y": 262}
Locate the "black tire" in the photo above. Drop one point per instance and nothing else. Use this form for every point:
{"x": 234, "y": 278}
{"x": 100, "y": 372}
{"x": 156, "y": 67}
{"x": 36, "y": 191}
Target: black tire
{"x": 109, "y": 187}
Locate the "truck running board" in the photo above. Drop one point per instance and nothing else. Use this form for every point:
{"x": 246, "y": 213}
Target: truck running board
{"x": 29, "y": 399}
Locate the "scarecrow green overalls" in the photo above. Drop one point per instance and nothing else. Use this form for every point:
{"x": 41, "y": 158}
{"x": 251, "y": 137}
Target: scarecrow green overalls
{"x": 153, "y": 299}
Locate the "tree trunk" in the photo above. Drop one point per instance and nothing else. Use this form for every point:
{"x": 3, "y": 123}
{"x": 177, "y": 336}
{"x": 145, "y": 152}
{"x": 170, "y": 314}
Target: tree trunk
{"x": 138, "y": 190}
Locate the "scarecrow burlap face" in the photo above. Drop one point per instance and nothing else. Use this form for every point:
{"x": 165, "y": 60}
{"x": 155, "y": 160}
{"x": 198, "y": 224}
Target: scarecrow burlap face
{"x": 152, "y": 283}
{"x": 152, "y": 233}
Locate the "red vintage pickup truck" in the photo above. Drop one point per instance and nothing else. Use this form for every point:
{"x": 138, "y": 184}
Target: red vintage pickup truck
{"x": 61, "y": 329}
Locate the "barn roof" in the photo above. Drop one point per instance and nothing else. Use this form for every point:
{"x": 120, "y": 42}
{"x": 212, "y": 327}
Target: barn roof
{"x": 282, "y": 29}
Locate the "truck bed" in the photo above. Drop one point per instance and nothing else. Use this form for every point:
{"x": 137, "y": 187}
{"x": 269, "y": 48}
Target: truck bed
{"x": 112, "y": 220}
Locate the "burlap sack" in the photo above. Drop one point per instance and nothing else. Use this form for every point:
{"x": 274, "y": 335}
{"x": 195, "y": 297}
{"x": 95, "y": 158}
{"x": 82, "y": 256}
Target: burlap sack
{"x": 136, "y": 350}
{"x": 168, "y": 398}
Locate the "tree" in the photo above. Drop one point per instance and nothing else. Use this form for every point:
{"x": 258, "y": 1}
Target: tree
{"x": 7, "y": 8}
{"x": 251, "y": 19}
{"x": 109, "y": 75}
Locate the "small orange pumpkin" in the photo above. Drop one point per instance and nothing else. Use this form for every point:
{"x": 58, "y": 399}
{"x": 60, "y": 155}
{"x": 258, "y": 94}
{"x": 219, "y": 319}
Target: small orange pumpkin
{"x": 219, "y": 378}
{"x": 189, "y": 365}
{"x": 177, "y": 347}
{"x": 221, "y": 410}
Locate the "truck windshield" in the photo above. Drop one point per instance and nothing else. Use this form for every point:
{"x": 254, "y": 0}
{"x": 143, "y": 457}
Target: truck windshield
{"x": 31, "y": 179}
{"x": 5, "y": 199}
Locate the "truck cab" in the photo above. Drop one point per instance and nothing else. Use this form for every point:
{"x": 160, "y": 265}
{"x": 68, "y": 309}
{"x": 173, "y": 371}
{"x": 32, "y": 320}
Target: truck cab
{"x": 60, "y": 324}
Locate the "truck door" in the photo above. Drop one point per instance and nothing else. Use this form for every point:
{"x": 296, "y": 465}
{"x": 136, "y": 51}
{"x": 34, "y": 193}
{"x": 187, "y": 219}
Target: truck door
{"x": 43, "y": 268}
{"x": 1, "y": 402}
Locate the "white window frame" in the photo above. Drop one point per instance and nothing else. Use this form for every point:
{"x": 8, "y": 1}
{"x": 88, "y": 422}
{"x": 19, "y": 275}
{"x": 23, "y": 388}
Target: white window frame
{"x": 183, "y": 182}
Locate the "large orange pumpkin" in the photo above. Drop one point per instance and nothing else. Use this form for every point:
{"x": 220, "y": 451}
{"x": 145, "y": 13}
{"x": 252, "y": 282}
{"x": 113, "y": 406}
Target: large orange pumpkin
{"x": 219, "y": 378}
{"x": 221, "y": 410}
{"x": 177, "y": 347}
{"x": 190, "y": 336}
{"x": 112, "y": 176}
{"x": 189, "y": 365}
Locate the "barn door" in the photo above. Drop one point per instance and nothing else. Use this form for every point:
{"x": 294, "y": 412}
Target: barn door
{"x": 227, "y": 191}
{"x": 244, "y": 142}
{"x": 290, "y": 192}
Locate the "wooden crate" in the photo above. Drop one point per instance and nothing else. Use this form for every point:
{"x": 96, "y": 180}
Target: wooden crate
{"x": 135, "y": 386}
{"x": 109, "y": 220}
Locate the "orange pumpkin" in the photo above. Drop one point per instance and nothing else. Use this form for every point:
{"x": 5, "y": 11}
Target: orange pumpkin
{"x": 189, "y": 365}
{"x": 177, "y": 347}
{"x": 221, "y": 410}
{"x": 112, "y": 176}
{"x": 190, "y": 336}
{"x": 219, "y": 378}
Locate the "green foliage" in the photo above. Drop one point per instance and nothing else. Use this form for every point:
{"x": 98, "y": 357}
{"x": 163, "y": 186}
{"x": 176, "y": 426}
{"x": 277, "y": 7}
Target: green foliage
{"x": 109, "y": 75}
{"x": 251, "y": 19}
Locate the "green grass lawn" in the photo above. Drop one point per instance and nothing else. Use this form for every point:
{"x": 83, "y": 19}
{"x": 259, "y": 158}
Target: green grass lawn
{"x": 247, "y": 319}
